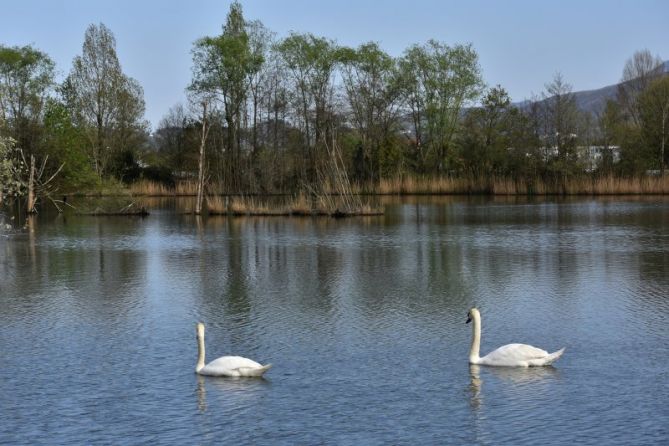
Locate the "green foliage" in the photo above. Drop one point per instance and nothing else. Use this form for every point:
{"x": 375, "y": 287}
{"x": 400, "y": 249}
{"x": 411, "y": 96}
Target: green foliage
{"x": 485, "y": 136}
{"x": 277, "y": 110}
{"x": 26, "y": 75}
{"x": 65, "y": 145}
{"x": 311, "y": 61}
{"x": 654, "y": 111}
{"x": 437, "y": 81}
{"x": 106, "y": 105}
{"x": 371, "y": 82}
{"x": 224, "y": 67}
{"x": 11, "y": 182}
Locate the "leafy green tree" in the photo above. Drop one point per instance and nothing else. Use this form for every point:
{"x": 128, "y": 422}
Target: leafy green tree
{"x": 654, "y": 116}
{"x": 11, "y": 182}
{"x": 26, "y": 76}
{"x": 610, "y": 127}
{"x": 631, "y": 130}
{"x": 438, "y": 81}
{"x": 370, "y": 79}
{"x": 65, "y": 144}
{"x": 485, "y": 136}
{"x": 223, "y": 68}
{"x": 525, "y": 158}
{"x": 311, "y": 62}
{"x": 105, "y": 104}
{"x": 260, "y": 43}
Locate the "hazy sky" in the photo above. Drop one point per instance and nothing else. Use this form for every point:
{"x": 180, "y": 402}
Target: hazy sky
{"x": 521, "y": 43}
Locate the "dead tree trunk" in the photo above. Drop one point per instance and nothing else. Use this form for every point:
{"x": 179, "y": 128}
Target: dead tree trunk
{"x": 665, "y": 111}
{"x": 200, "y": 173}
{"x": 32, "y": 197}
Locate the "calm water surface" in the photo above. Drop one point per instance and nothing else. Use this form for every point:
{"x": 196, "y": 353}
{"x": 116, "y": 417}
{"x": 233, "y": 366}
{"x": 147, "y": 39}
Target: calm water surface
{"x": 363, "y": 319}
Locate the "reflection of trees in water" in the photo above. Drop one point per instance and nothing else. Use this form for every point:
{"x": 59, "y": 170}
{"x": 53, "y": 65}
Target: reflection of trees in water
{"x": 652, "y": 285}
{"x": 222, "y": 266}
{"x": 420, "y": 272}
{"x": 654, "y": 265}
{"x": 77, "y": 261}
{"x": 241, "y": 251}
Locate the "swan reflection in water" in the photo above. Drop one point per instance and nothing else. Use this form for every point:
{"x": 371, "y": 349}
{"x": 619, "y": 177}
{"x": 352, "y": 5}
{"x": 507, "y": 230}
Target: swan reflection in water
{"x": 233, "y": 392}
{"x": 516, "y": 377}
{"x": 475, "y": 386}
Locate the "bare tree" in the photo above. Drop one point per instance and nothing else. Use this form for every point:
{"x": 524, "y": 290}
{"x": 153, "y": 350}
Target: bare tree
{"x": 561, "y": 116}
{"x": 639, "y": 71}
{"x": 171, "y": 137}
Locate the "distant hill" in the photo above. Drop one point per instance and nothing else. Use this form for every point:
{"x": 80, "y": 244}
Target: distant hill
{"x": 594, "y": 101}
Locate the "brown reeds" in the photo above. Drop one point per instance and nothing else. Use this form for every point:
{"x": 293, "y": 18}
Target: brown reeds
{"x": 180, "y": 189}
{"x": 186, "y": 188}
{"x": 584, "y": 185}
{"x": 299, "y": 205}
{"x": 338, "y": 194}
{"x": 218, "y": 205}
{"x": 150, "y": 189}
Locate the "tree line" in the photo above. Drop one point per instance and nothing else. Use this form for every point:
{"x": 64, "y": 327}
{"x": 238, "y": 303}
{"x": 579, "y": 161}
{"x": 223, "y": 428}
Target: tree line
{"x": 267, "y": 114}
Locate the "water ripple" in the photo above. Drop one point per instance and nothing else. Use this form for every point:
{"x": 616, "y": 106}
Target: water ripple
{"x": 362, "y": 319}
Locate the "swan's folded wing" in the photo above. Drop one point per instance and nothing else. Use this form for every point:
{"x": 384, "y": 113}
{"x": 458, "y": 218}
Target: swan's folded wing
{"x": 513, "y": 353}
{"x": 253, "y": 371}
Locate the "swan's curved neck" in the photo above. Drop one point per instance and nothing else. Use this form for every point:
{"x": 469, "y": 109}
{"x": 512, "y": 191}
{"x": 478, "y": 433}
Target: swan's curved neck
{"x": 200, "y": 352}
{"x": 476, "y": 339}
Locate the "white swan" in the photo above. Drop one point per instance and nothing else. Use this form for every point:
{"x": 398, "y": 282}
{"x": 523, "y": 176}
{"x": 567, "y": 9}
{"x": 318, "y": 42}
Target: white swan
{"x": 225, "y": 365}
{"x": 510, "y": 355}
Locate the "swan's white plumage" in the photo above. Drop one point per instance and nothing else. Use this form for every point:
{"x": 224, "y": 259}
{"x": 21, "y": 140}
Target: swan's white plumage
{"x": 510, "y": 355}
{"x": 232, "y": 366}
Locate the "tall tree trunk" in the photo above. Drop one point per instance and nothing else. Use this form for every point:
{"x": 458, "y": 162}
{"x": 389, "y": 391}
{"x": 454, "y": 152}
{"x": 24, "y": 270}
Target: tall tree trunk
{"x": 99, "y": 145}
{"x": 200, "y": 166}
{"x": 32, "y": 199}
{"x": 665, "y": 110}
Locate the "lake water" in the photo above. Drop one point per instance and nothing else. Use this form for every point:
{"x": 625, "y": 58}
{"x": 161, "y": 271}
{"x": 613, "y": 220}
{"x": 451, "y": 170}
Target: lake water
{"x": 362, "y": 318}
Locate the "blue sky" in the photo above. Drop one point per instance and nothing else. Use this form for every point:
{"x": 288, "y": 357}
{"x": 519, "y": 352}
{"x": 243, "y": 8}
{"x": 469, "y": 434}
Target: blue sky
{"x": 521, "y": 43}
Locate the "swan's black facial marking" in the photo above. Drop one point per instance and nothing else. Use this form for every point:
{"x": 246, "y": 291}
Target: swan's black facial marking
{"x": 469, "y": 318}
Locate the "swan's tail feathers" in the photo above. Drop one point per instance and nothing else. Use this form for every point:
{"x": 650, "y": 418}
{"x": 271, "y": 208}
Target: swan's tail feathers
{"x": 254, "y": 371}
{"x": 550, "y": 359}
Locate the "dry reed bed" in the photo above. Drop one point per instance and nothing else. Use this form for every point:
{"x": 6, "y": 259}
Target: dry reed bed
{"x": 182, "y": 188}
{"x": 297, "y": 206}
{"x": 608, "y": 185}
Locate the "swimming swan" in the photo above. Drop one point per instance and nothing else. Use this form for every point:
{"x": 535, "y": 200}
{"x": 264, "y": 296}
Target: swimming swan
{"x": 225, "y": 365}
{"x": 510, "y": 355}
